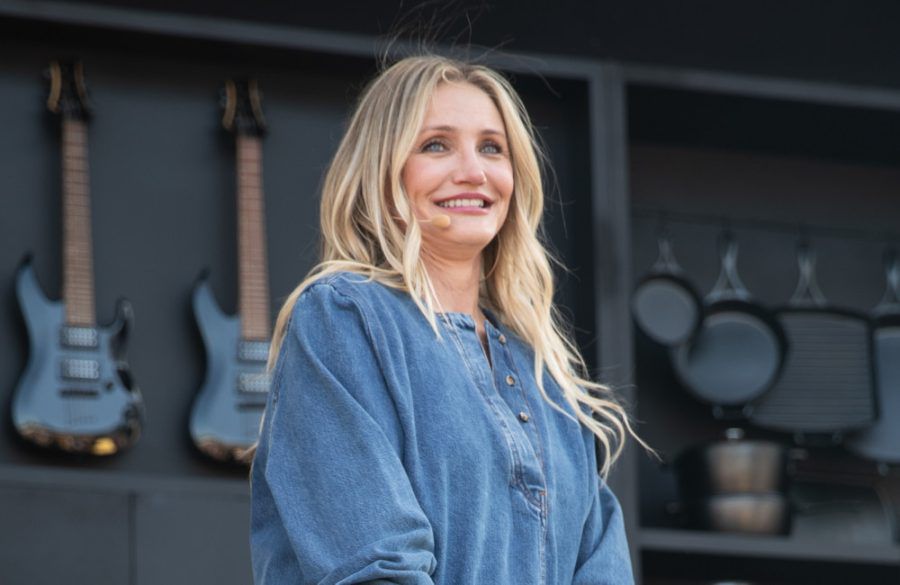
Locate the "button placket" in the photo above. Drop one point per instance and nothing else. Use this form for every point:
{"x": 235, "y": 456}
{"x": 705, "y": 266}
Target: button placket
{"x": 482, "y": 376}
{"x": 510, "y": 387}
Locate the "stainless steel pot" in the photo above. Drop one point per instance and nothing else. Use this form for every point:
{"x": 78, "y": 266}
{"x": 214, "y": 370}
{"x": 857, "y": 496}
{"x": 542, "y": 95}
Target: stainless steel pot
{"x": 734, "y": 465}
{"x": 746, "y": 513}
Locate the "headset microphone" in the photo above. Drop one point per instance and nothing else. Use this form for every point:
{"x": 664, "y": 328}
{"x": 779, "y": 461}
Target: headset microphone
{"x": 439, "y": 221}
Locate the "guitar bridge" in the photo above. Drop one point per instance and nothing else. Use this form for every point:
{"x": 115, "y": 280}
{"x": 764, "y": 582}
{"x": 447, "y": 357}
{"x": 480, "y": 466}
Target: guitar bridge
{"x": 79, "y": 392}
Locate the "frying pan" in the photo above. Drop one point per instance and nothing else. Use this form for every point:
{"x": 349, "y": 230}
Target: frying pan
{"x": 738, "y": 351}
{"x": 881, "y": 441}
{"x": 665, "y": 304}
{"x": 826, "y": 387}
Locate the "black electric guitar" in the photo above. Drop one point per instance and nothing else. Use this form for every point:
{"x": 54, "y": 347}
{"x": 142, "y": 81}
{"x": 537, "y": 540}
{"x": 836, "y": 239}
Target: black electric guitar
{"x": 76, "y": 393}
{"x": 226, "y": 413}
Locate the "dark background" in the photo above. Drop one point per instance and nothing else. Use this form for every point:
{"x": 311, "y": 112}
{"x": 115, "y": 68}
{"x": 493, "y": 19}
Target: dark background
{"x": 163, "y": 210}
{"x": 838, "y": 40}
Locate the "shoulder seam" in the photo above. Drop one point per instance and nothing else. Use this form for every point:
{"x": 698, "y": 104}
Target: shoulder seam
{"x": 363, "y": 315}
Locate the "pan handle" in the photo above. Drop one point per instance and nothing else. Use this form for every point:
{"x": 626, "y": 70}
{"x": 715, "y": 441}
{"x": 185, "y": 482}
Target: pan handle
{"x": 665, "y": 263}
{"x": 729, "y": 285}
{"x": 890, "y": 302}
{"x": 807, "y": 293}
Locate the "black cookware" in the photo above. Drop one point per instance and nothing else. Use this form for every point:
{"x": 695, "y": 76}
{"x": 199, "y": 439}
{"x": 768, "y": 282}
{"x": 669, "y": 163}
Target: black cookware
{"x": 665, "y": 304}
{"x": 888, "y": 488}
{"x": 737, "y": 353}
{"x": 849, "y": 512}
{"x": 826, "y": 386}
{"x": 881, "y": 441}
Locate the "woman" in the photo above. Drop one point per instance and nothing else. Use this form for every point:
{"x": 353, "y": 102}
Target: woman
{"x": 426, "y": 422}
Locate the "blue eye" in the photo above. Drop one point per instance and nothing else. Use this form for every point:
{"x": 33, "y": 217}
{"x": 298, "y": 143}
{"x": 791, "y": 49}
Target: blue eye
{"x": 491, "y": 148}
{"x": 433, "y": 146}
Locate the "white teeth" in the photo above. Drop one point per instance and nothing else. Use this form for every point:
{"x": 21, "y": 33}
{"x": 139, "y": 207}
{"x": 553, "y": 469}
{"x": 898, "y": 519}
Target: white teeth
{"x": 462, "y": 203}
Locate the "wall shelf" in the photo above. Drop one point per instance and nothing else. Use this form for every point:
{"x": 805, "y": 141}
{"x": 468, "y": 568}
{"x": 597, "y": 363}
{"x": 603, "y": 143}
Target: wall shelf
{"x": 691, "y": 542}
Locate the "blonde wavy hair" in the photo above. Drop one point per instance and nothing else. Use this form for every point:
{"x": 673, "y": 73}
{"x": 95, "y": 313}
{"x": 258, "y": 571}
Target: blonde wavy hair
{"x": 363, "y": 197}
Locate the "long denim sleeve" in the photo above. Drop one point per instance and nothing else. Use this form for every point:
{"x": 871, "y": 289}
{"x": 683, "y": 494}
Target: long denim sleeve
{"x": 329, "y": 464}
{"x": 388, "y": 455}
{"x": 603, "y": 557}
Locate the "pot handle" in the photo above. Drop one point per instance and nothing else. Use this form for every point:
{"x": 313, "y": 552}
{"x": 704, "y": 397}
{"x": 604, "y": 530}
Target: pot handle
{"x": 665, "y": 262}
{"x": 729, "y": 285}
{"x": 807, "y": 293}
{"x": 890, "y": 302}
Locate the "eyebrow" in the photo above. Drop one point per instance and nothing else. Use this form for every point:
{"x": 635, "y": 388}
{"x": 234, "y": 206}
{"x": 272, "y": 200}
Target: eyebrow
{"x": 489, "y": 131}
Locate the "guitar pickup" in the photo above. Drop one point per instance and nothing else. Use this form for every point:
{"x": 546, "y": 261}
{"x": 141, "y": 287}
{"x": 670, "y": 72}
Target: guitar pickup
{"x": 73, "y": 369}
{"x": 253, "y": 351}
{"x": 253, "y": 383}
{"x": 79, "y": 337}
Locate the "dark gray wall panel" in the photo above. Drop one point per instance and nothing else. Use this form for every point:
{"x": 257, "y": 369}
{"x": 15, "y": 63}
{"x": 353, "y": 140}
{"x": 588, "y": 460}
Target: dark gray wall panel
{"x": 48, "y": 537}
{"x": 163, "y": 206}
{"x": 191, "y": 539}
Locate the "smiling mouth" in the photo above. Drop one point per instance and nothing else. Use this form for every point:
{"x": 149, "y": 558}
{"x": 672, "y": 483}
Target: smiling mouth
{"x": 480, "y": 203}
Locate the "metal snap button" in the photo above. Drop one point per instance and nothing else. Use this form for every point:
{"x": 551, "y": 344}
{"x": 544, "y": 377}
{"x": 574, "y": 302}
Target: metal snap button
{"x": 523, "y": 416}
{"x": 502, "y": 339}
{"x": 510, "y": 381}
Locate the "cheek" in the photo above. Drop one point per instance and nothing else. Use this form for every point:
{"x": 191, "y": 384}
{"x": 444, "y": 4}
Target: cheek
{"x": 418, "y": 179}
{"x": 509, "y": 186}
{"x": 505, "y": 183}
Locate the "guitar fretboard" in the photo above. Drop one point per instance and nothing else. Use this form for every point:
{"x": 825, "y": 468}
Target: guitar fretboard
{"x": 253, "y": 272}
{"x": 78, "y": 266}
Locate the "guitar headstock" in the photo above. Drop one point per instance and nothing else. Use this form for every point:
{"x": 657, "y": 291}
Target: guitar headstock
{"x": 68, "y": 93}
{"x": 243, "y": 108}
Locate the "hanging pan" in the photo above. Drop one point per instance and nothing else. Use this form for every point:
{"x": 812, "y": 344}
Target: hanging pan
{"x": 826, "y": 388}
{"x": 665, "y": 304}
{"x": 737, "y": 353}
{"x": 881, "y": 441}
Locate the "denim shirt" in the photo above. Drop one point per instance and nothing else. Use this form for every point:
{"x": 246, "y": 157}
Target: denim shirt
{"x": 388, "y": 455}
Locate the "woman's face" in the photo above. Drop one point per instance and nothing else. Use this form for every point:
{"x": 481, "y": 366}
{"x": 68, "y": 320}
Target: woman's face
{"x": 460, "y": 167}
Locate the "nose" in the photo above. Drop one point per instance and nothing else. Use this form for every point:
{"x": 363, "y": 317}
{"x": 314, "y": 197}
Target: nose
{"x": 470, "y": 171}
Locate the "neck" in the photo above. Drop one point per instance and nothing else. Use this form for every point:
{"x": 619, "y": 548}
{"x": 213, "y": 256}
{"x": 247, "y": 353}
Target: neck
{"x": 78, "y": 267}
{"x": 456, "y": 284}
{"x": 253, "y": 282}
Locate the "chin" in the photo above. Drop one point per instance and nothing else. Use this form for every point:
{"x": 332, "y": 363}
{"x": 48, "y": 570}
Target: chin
{"x": 473, "y": 237}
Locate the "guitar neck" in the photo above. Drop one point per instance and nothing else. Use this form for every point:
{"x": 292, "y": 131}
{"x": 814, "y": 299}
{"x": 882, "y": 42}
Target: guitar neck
{"x": 253, "y": 274}
{"x": 78, "y": 266}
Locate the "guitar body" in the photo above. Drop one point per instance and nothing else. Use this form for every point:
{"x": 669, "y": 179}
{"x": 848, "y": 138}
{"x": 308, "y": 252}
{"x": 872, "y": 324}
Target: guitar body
{"x": 226, "y": 413}
{"x": 77, "y": 392}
